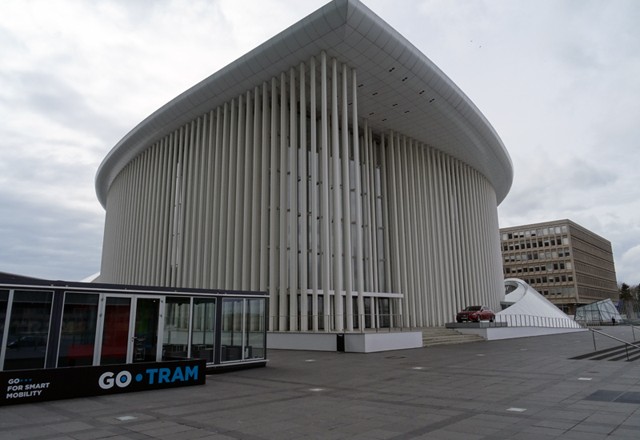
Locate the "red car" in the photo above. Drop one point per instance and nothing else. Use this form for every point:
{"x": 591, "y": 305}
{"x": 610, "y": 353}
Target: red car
{"x": 476, "y": 314}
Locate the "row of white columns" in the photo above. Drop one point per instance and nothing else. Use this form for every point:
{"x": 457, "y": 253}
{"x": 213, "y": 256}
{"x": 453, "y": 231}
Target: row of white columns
{"x": 443, "y": 229}
{"x": 281, "y": 189}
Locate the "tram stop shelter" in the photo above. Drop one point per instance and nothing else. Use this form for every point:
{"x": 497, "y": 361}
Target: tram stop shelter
{"x": 51, "y": 325}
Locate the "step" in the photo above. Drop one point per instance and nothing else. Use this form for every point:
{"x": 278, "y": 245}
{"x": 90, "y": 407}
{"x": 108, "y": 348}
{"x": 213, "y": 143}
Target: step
{"x": 443, "y": 336}
{"x": 617, "y": 353}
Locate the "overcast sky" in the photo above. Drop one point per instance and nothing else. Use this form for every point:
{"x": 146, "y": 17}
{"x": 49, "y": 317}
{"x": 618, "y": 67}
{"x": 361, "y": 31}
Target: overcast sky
{"x": 559, "y": 80}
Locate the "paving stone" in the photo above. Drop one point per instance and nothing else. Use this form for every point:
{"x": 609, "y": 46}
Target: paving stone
{"x": 455, "y": 395}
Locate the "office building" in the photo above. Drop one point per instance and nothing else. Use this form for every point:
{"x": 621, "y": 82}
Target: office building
{"x": 568, "y": 264}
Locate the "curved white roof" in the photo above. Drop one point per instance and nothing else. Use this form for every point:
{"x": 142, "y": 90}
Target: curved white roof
{"x": 527, "y": 302}
{"x": 399, "y": 89}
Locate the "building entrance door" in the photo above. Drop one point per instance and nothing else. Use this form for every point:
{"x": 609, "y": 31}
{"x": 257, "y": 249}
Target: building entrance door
{"x": 129, "y": 328}
{"x": 146, "y": 330}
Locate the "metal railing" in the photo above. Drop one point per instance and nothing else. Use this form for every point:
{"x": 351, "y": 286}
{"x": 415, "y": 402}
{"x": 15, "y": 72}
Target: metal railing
{"x": 386, "y": 322}
{"x": 535, "y": 321}
{"x": 626, "y": 343}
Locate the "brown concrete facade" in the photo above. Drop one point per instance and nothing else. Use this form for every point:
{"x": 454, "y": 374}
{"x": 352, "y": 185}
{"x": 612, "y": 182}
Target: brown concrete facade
{"x": 568, "y": 264}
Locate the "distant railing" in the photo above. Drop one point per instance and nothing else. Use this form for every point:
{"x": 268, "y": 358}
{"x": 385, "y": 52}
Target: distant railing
{"x": 535, "y": 321}
{"x": 386, "y": 322}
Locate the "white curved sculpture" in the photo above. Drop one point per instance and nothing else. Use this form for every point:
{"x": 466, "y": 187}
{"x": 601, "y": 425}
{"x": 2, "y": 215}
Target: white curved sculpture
{"x": 530, "y": 308}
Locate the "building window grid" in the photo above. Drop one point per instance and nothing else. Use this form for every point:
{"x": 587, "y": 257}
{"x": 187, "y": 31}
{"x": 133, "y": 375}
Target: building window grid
{"x": 584, "y": 257}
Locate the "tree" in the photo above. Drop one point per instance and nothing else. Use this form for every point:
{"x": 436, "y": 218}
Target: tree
{"x": 625, "y": 292}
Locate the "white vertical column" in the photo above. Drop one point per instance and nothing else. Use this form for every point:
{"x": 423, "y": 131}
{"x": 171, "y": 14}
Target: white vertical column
{"x": 257, "y": 214}
{"x": 346, "y": 201}
{"x": 181, "y": 203}
{"x": 216, "y": 193}
{"x": 202, "y": 200}
{"x": 304, "y": 211}
{"x": 265, "y": 195}
{"x": 313, "y": 186}
{"x": 236, "y": 211}
{"x": 293, "y": 203}
{"x": 247, "y": 214}
{"x": 324, "y": 207}
{"x": 337, "y": 210}
{"x": 411, "y": 232}
{"x": 403, "y": 226}
{"x": 209, "y": 191}
{"x": 151, "y": 232}
{"x": 173, "y": 180}
{"x": 136, "y": 224}
{"x": 359, "y": 270}
{"x": 274, "y": 262}
{"x": 283, "y": 220}
{"x": 224, "y": 191}
{"x": 395, "y": 220}
{"x": 425, "y": 241}
{"x": 387, "y": 190}
{"x": 195, "y": 210}
{"x": 164, "y": 213}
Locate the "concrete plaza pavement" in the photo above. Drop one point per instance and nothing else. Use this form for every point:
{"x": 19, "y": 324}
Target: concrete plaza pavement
{"x": 526, "y": 388}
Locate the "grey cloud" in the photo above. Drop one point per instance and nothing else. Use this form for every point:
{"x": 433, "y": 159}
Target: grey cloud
{"x": 58, "y": 100}
{"x": 44, "y": 240}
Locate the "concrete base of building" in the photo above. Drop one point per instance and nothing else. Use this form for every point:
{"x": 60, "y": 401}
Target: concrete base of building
{"x": 347, "y": 342}
{"x": 499, "y": 330}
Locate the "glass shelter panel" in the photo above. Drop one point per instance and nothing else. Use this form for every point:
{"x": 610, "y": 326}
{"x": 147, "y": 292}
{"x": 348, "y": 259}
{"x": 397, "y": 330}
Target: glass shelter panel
{"x": 176, "y": 328}
{"x": 204, "y": 324}
{"x": 28, "y": 330}
{"x": 232, "y": 332}
{"x": 78, "y": 332}
{"x": 145, "y": 337}
{"x": 4, "y": 301}
{"x": 255, "y": 326}
{"x": 115, "y": 336}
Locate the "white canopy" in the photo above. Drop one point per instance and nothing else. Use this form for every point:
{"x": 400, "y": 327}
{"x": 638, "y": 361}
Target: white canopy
{"x": 530, "y": 308}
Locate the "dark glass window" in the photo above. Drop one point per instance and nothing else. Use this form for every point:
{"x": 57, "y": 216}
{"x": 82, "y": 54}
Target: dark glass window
{"x": 204, "y": 325}
{"x": 28, "y": 330}
{"x": 176, "y": 328}
{"x": 78, "y": 333}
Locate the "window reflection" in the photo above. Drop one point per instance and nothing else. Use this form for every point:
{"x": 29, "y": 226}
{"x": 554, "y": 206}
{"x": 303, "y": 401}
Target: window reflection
{"x": 254, "y": 348}
{"x": 176, "y": 328}
{"x": 78, "y": 333}
{"x": 231, "y": 336}
{"x": 4, "y": 300}
{"x": 115, "y": 337}
{"x": 204, "y": 321}
{"x": 28, "y": 330}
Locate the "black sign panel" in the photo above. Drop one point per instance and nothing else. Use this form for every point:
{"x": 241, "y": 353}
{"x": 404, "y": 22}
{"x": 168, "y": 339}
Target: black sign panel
{"x": 23, "y": 386}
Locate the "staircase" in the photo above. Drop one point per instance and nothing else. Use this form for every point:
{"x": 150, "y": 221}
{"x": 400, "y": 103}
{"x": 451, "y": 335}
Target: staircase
{"x": 618, "y": 353}
{"x": 441, "y": 336}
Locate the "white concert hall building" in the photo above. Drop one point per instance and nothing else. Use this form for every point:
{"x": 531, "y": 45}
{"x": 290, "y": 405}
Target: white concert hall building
{"x": 334, "y": 166}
